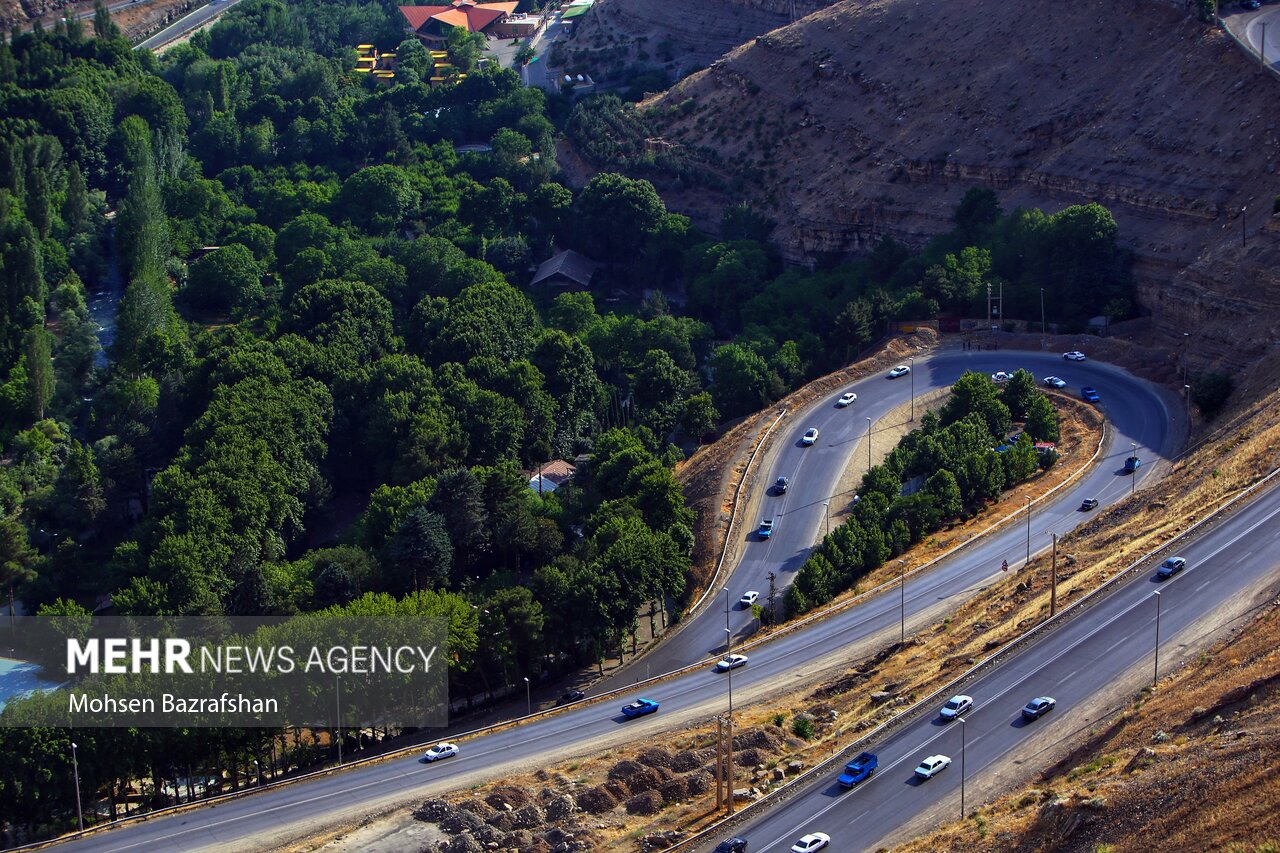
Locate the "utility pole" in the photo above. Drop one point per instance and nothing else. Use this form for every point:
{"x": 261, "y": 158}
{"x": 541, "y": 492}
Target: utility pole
{"x": 962, "y": 745}
{"x": 1042, "y": 326}
{"x": 337, "y": 700}
{"x": 1028, "y": 500}
{"x": 1242, "y": 220}
{"x": 826, "y": 516}
{"x": 719, "y": 763}
{"x": 868, "y": 444}
{"x": 1155, "y": 675}
{"x": 988, "y": 308}
{"x": 1262, "y": 44}
{"x": 1053, "y": 584}
{"x": 913, "y": 389}
{"x": 773, "y": 594}
{"x": 75, "y": 767}
{"x": 902, "y": 598}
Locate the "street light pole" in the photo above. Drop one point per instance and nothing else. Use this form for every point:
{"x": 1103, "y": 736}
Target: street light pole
{"x": 913, "y": 389}
{"x": 1186, "y": 395}
{"x": 868, "y": 444}
{"x": 728, "y": 650}
{"x": 75, "y": 768}
{"x": 528, "y": 700}
{"x": 902, "y": 596}
{"x": 1155, "y": 675}
{"x": 1027, "y": 498}
{"x": 1186, "y": 339}
{"x": 1133, "y": 484}
{"x": 337, "y": 701}
{"x": 962, "y": 744}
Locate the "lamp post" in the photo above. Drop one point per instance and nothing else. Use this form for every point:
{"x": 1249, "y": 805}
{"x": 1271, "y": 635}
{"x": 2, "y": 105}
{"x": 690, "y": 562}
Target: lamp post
{"x": 1133, "y": 484}
{"x": 257, "y": 771}
{"x": 826, "y": 516}
{"x": 902, "y": 597}
{"x": 868, "y": 444}
{"x": 1186, "y": 396}
{"x": 75, "y": 768}
{"x": 1027, "y": 498}
{"x": 728, "y": 650}
{"x": 1155, "y": 675}
{"x": 1243, "y": 208}
{"x": 961, "y": 767}
{"x": 913, "y": 388}
{"x": 337, "y": 702}
{"x": 1186, "y": 339}
{"x": 528, "y": 699}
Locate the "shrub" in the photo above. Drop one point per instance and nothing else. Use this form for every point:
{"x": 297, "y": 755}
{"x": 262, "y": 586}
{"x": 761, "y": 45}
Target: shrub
{"x": 802, "y": 727}
{"x": 1210, "y": 391}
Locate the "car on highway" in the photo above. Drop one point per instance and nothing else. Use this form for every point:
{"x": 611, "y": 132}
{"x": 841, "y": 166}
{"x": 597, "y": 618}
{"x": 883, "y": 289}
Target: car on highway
{"x": 639, "y": 708}
{"x": 766, "y": 528}
{"x": 810, "y": 436}
{"x": 1038, "y": 707}
{"x": 932, "y": 766}
{"x": 1089, "y": 394}
{"x": 731, "y": 662}
{"x": 1133, "y": 463}
{"x": 571, "y": 696}
{"x": 1171, "y": 567}
{"x": 748, "y": 598}
{"x": 812, "y": 841}
{"x": 1055, "y": 382}
{"x": 780, "y": 485}
{"x": 859, "y": 769}
{"x": 732, "y": 845}
{"x": 1001, "y": 376}
{"x": 1074, "y": 355}
{"x": 1088, "y": 504}
{"x": 900, "y": 370}
{"x": 956, "y": 706}
{"x": 848, "y": 399}
{"x": 439, "y": 751}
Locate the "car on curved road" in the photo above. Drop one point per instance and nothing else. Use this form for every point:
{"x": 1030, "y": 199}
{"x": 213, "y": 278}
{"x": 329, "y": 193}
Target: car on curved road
{"x": 1089, "y": 394}
{"x": 1055, "y": 382}
{"x": 732, "y": 845}
{"x": 1038, "y": 707}
{"x": 639, "y": 708}
{"x": 748, "y": 598}
{"x": 439, "y": 751}
{"x": 780, "y": 485}
{"x": 956, "y": 706}
{"x": 848, "y": 399}
{"x": 810, "y": 436}
{"x": 571, "y": 696}
{"x": 731, "y": 662}
{"x": 900, "y": 370}
{"x": 932, "y": 766}
{"x": 1088, "y": 504}
{"x": 766, "y": 528}
{"x": 1074, "y": 355}
{"x": 1001, "y": 376}
{"x": 812, "y": 841}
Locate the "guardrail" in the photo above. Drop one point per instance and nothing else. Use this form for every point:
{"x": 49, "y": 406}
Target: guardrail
{"x": 827, "y": 765}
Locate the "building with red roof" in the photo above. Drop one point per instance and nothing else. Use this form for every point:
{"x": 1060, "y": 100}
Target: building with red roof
{"x": 433, "y": 23}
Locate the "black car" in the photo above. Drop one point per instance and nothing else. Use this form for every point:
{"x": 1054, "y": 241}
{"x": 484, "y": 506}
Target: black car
{"x": 780, "y": 485}
{"x": 571, "y": 696}
{"x": 732, "y": 845}
{"x": 1088, "y": 504}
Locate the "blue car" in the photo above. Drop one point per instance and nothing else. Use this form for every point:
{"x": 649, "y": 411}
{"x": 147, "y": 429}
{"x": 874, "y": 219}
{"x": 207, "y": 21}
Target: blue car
{"x": 639, "y": 708}
{"x": 858, "y": 769}
{"x": 1090, "y": 394}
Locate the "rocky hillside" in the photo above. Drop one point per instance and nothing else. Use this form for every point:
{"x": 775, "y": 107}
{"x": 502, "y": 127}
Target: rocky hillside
{"x": 873, "y": 117}
{"x": 677, "y": 37}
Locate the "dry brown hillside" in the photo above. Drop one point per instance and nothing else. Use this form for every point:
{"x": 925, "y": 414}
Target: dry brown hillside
{"x": 873, "y": 117}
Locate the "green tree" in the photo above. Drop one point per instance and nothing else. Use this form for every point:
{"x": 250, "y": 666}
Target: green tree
{"x": 421, "y": 552}
{"x": 37, "y": 349}
{"x": 229, "y": 277}
{"x": 103, "y": 26}
{"x": 740, "y": 380}
{"x": 378, "y": 198}
{"x": 75, "y": 204}
{"x": 975, "y": 393}
{"x": 78, "y": 494}
{"x": 1042, "y": 419}
{"x": 978, "y": 209}
{"x": 626, "y": 211}
{"x": 1018, "y": 394}
{"x": 699, "y": 415}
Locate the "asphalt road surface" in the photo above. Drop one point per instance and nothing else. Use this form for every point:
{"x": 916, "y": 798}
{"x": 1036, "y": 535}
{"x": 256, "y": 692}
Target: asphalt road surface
{"x": 1107, "y": 649}
{"x": 186, "y": 24}
{"x": 1136, "y": 414}
{"x": 264, "y": 820}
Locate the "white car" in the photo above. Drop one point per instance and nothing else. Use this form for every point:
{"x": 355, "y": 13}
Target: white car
{"x": 441, "y": 750}
{"x": 812, "y": 841}
{"x": 748, "y": 598}
{"x": 1074, "y": 355}
{"x": 810, "y": 436}
{"x": 956, "y": 706}
{"x": 1055, "y": 382}
{"x": 900, "y": 370}
{"x": 932, "y": 766}
{"x": 731, "y": 662}
{"x": 1001, "y": 376}
{"x": 846, "y": 400}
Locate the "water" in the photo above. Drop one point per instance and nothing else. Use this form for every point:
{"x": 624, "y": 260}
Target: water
{"x": 104, "y": 303}
{"x": 19, "y": 678}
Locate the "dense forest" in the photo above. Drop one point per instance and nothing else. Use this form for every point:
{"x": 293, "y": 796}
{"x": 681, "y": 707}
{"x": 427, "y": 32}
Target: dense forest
{"x": 330, "y": 377}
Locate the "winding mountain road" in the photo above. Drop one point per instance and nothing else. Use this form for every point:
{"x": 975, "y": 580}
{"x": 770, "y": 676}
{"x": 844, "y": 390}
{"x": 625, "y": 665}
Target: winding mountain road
{"x": 1137, "y": 412}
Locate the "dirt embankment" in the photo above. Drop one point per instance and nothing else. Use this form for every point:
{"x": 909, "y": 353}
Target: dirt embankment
{"x": 136, "y": 21}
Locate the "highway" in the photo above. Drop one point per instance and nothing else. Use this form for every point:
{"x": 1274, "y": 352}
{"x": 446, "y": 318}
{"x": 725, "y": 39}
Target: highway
{"x": 194, "y": 19}
{"x": 1137, "y": 412}
{"x": 1105, "y": 653}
